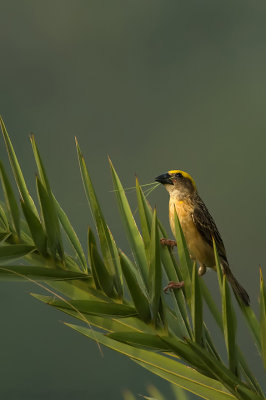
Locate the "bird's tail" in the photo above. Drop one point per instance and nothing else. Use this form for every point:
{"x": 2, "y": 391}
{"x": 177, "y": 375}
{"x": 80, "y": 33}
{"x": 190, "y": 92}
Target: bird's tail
{"x": 239, "y": 291}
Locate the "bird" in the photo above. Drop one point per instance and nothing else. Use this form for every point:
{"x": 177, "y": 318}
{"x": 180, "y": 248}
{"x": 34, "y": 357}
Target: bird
{"x": 198, "y": 227}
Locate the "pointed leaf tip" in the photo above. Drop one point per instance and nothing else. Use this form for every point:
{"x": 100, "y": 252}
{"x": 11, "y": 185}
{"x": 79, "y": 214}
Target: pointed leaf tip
{"x": 134, "y": 236}
{"x": 76, "y": 140}
{"x": 261, "y": 276}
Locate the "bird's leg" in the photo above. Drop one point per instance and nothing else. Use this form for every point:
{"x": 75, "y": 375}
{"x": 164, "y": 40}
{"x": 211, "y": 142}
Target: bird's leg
{"x": 202, "y": 270}
{"x": 177, "y": 285}
{"x": 173, "y": 285}
{"x": 168, "y": 242}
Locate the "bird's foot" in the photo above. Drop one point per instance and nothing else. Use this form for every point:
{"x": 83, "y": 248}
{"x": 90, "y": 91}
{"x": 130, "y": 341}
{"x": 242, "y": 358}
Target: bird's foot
{"x": 173, "y": 285}
{"x": 168, "y": 242}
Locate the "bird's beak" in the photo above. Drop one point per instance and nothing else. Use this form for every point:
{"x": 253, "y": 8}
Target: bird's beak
{"x": 165, "y": 179}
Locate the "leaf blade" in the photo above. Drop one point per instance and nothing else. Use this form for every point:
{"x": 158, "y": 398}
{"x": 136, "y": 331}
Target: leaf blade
{"x": 90, "y": 306}
{"x": 50, "y": 221}
{"x": 71, "y": 234}
{"x": 167, "y": 259}
{"x": 38, "y": 235}
{"x": 21, "y": 184}
{"x": 196, "y": 306}
{"x": 229, "y": 324}
{"x": 104, "y": 278}
{"x": 155, "y": 272}
{"x": 185, "y": 261}
{"x": 107, "y": 243}
{"x": 13, "y": 252}
{"x": 10, "y": 199}
{"x": 133, "y": 234}
{"x": 169, "y": 369}
{"x": 38, "y": 273}
{"x": 145, "y": 340}
{"x": 263, "y": 318}
{"x": 136, "y": 288}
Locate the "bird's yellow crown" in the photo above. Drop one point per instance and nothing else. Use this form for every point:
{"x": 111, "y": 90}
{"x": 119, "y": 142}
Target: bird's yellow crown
{"x": 185, "y": 174}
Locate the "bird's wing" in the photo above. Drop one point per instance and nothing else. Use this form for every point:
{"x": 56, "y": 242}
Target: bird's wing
{"x": 207, "y": 228}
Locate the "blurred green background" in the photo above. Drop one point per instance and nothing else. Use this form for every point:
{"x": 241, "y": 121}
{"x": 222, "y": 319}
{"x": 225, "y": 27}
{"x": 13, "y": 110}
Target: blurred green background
{"x": 157, "y": 85}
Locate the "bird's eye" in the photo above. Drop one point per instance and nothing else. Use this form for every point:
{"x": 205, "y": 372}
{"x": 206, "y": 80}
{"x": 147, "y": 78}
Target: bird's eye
{"x": 179, "y": 175}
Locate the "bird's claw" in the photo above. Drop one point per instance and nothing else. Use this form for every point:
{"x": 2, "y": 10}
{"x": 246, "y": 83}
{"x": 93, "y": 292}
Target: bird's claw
{"x": 173, "y": 285}
{"x": 168, "y": 242}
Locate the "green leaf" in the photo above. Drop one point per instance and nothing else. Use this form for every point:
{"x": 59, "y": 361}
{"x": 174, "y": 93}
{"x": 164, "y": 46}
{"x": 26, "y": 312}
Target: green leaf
{"x": 4, "y": 236}
{"x": 39, "y": 163}
{"x": 218, "y": 266}
{"x": 71, "y": 234}
{"x": 196, "y": 306}
{"x": 229, "y": 324}
{"x": 211, "y": 304}
{"x": 90, "y": 306}
{"x": 107, "y": 243}
{"x": 218, "y": 318}
{"x": 128, "y": 395}
{"x": 145, "y": 340}
{"x": 50, "y": 220}
{"x": 92, "y": 242}
{"x": 71, "y": 263}
{"x": 118, "y": 277}
{"x": 248, "y": 375}
{"x": 181, "y": 349}
{"x": 17, "y": 170}
{"x": 132, "y": 324}
{"x": 208, "y": 343}
{"x": 180, "y": 394}
{"x": 185, "y": 261}
{"x": 168, "y": 369}
{"x": 136, "y": 288}
{"x": 79, "y": 290}
{"x": 197, "y": 389}
{"x": 38, "y": 273}
{"x": 12, "y": 252}
{"x": 99, "y": 269}
{"x": 145, "y": 214}
{"x": 177, "y": 295}
{"x": 135, "y": 239}
{"x": 263, "y": 318}
{"x": 38, "y": 235}
{"x": 55, "y": 208}
{"x": 155, "y": 271}
{"x": 51, "y": 209}
{"x": 168, "y": 261}
{"x": 171, "y": 321}
{"x": 10, "y": 199}
{"x": 3, "y": 219}
{"x": 225, "y": 376}
{"x": 253, "y": 324}
{"x": 99, "y": 299}
{"x": 155, "y": 393}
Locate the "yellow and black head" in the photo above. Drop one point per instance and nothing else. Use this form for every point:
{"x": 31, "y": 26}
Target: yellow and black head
{"x": 178, "y": 183}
